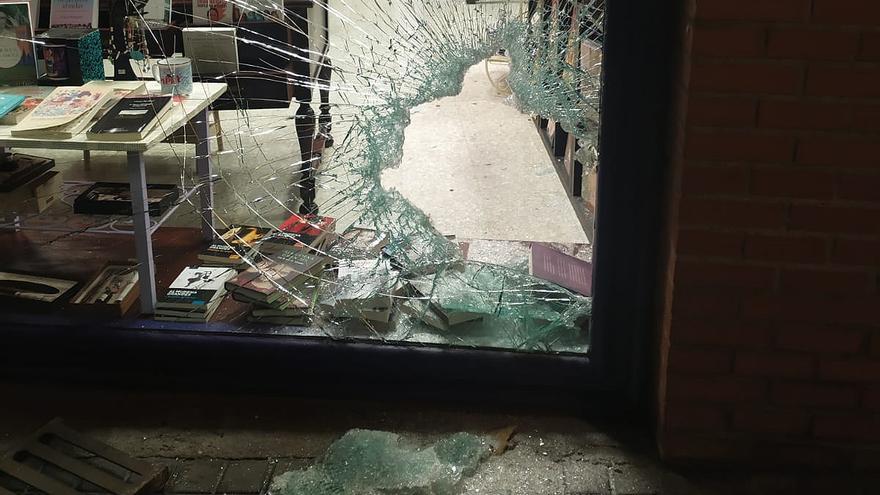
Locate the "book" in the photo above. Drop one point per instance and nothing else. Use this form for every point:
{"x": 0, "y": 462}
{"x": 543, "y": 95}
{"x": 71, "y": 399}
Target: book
{"x": 64, "y": 113}
{"x": 206, "y": 12}
{"x": 299, "y": 232}
{"x": 73, "y": 13}
{"x": 9, "y": 103}
{"x": 233, "y": 246}
{"x": 267, "y": 281}
{"x": 18, "y": 61}
{"x": 364, "y": 289}
{"x": 130, "y": 119}
{"x": 114, "y": 198}
{"x": 157, "y": 11}
{"x": 196, "y": 287}
{"x": 359, "y": 243}
{"x": 33, "y": 287}
{"x": 561, "y": 269}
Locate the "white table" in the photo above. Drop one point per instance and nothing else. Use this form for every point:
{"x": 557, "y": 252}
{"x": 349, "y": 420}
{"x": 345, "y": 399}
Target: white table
{"x": 193, "y": 109}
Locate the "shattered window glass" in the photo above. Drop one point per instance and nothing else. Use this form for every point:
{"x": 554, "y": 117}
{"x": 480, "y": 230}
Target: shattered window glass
{"x": 304, "y": 148}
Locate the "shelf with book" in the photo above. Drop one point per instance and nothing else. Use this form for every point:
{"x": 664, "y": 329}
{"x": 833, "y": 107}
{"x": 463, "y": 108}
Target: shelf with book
{"x": 60, "y": 217}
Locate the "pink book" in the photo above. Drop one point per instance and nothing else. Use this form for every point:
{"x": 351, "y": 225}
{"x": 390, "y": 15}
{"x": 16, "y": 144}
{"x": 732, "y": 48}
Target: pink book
{"x": 572, "y": 273}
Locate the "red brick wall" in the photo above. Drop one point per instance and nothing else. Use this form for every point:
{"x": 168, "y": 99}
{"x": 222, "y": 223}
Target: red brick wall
{"x": 770, "y": 348}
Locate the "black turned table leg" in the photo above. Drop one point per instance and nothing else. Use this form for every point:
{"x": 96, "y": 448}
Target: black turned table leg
{"x": 325, "y": 120}
{"x": 305, "y": 134}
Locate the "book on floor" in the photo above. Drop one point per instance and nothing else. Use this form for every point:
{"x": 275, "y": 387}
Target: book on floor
{"x": 196, "y": 287}
{"x": 64, "y": 113}
{"x": 234, "y": 246}
{"x": 299, "y": 232}
{"x": 561, "y": 269}
{"x": 270, "y": 278}
{"x": 359, "y": 243}
{"x": 130, "y": 119}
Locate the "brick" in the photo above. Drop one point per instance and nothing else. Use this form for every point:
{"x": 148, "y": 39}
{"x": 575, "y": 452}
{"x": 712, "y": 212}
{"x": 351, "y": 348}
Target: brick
{"x": 721, "y": 111}
{"x": 717, "y": 180}
{"x": 866, "y": 117}
{"x": 729, "y": 146}
{"x": 710, "y": 243}
{"x": 855, "y": 12}
{"x": 805, "y": 338}
{"x": 854, "y": 82}
{"x": 716, "y": 389}
{"x": 728, "y": 41}
{"x": 856, "y": 252}
{"x": 773, "y": 421}
{"x": 850, "y": 370}
{"x": 807, "y": 44}
{"x": 721, "y": 334}
{"x": 846, "y": 152}
{"x": 870, "y": 45}
{"x": 860, "y": 427}
{"x": 777, "y": 365}
{"x": 786, "y": 248}
{"x": 825, "y": 281}
{"x": 694, "y": 417}
{"x": 835, "y": 219}
{"x": 732, "y": 213}
{"x": 871, "y": 399}
{"x": 709, "y": 275}
{"x": 812, "y": 395}
{"x": 690, "y": 360}
{"x": 798, "y": 114}
{"x": 696, "y": 303}
{"x": 859, "y": 187}
{"x": 747, "y": 77}
{"x": 792, "y": 182}
{"x": 811, "y": 308}
{"x": 753, "y": 10}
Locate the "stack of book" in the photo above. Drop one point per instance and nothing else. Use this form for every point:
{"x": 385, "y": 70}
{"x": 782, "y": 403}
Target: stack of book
{"x": 363, "y": 290}
{"x": 195, "y": 294}
{"x": 281, "y": 288}
{"x": 307, "y": 232}
{"x": 234, "y": 247}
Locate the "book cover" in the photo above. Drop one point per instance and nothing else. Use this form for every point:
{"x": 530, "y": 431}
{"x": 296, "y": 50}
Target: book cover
{"x": 300, "y": 232}
{"x": 157, "y": 11}
{"x": 73, "y": 13}
{"x": 18, "y": 61}
{"x": 9, "y": 103}
{"x": 233, "y": 245}
{"x": 196, "y": 286}
{"x": 207, "y": 12}
{"x": 567, "y": 271}
{"x": 263, "y": 280}
{"x": 133, "y": 116}
{"x": 63, "y": 106}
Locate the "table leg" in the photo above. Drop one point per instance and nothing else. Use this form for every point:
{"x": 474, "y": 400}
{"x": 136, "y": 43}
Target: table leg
{"x": 204, "y": 172}
{"x": 142, "y": 240}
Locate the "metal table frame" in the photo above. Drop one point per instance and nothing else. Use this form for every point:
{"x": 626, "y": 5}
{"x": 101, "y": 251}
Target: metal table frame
{"x": 195, "y": 113}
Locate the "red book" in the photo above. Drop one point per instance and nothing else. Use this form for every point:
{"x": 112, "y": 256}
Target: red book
{"x": 298, "y": 232}
{"x": 561, "y": 269}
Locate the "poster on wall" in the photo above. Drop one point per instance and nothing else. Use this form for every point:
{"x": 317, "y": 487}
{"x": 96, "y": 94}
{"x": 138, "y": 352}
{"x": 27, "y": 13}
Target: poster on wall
{"x": 206, "y": 12}
{"x": 18, "y": 63}
{"x": 73, "y": 13}
{"x": 34, "y": 6}
{"x": 158, "y": 11}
